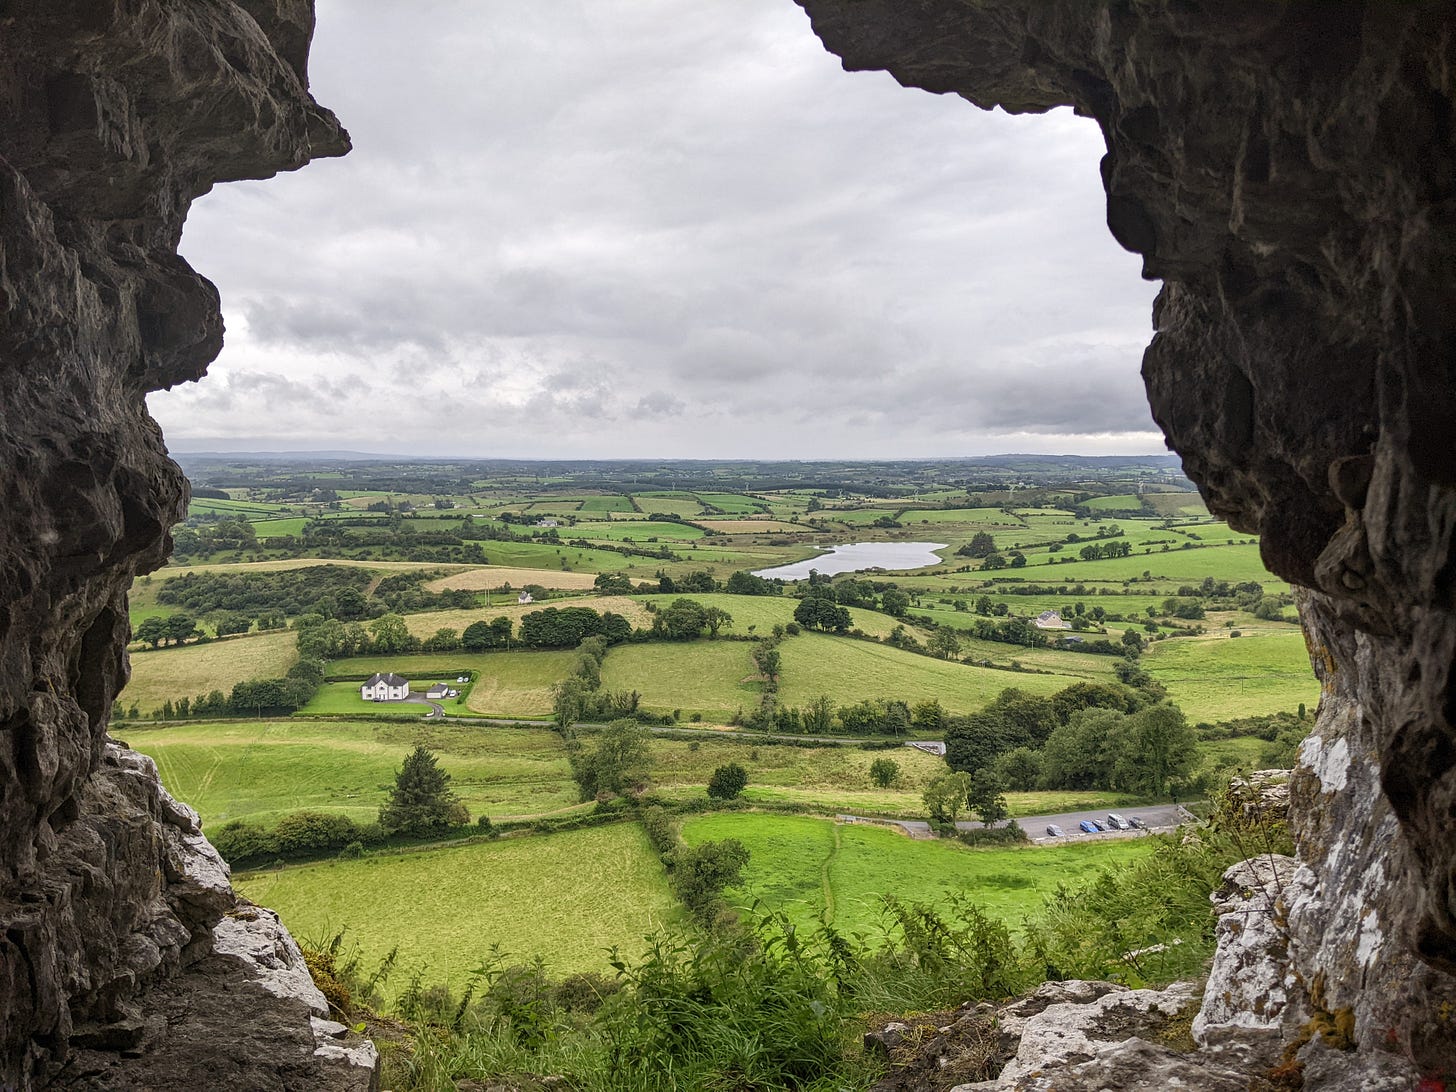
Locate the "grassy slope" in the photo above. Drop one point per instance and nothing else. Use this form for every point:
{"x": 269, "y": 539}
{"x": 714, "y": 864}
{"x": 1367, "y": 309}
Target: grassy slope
{"x": 801, "y": 864}
{"x": 707, "y": 677}
{"x": 261, "y": 770}
{"x": 849, "y": 670}
{"x": 1216, "y": 677}
{"x": 172, "y": 673}
{"x": 567, "y": 897}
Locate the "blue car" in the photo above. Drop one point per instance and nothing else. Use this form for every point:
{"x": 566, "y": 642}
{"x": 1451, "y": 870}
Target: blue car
{"x": 1088, "y": 826}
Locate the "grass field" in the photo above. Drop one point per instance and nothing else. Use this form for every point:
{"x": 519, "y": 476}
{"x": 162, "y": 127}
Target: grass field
{"x": 498, "y": 575}
{"x": 263, "y": 769}
{"x": 636, "y": 530}
{"x": 672, "y": 504}
{"x": 342, "y": 699}
{"x": 764, "y": 611}
{"x": 427, "y": 622}
{"x": 273, "y": 528}
{"x": 517, "y": 683}
{"x": 749, "y": 526}
{"x": 172, "y": 673}
{"x": 707, "y": 677}
{"x": 850, "y": 670}
{"x": 815, "y": 869}
{"x": 567, "y": 897}
{"x": 1218, "y": 677}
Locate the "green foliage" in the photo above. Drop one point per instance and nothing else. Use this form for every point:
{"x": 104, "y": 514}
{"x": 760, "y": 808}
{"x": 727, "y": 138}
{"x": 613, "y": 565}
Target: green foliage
{"x": 617, "y": 762}
{"x": 701, "y": 872}
{"x": 945, "y": 799}
{"x": 422, "y": 802}
{"x": 985, "y": 797}
{"x": 727, "y": 781}
{"x": 884, "y": 771}
{"x": 816, "y": 612}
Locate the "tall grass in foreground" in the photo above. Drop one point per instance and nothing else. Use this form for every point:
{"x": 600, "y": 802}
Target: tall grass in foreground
{"x": 760, "y": 1004}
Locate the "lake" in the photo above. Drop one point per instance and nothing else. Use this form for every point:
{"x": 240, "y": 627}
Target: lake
{"x": 853, "y": 557}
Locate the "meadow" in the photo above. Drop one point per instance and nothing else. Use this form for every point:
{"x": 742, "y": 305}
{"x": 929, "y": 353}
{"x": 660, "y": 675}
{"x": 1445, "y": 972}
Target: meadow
{"x": 850, "y": 671}
{"x": 261, "y": 770}
{"x": 168, "y": 674}
{"x": 1217, "y": 677}
{"x": 758, "y": 614}
{"x": 496, "y": 576}
{"x": 712, "y": 679}
{"x": 818, "y": 870}
{"x": 568, "y": 898}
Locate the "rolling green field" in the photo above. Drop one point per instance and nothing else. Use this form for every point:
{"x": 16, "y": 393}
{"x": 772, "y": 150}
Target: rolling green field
{"x": 566, "y": 897}
{"x": 850, "y": 671}
{"x": 713, "y": 678}
{"x": 818, "y": 870}
{"x": 168, "y": 674}
{"x": 1217, "y": 677}
{"x": 261, "y": 770}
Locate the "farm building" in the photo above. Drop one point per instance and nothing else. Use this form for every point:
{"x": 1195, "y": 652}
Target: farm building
{"x": 1050, "y": 619}
{"x": 524, "y": 598}
{"x": 439, "y": 690}
{"x": 389, "y": 687}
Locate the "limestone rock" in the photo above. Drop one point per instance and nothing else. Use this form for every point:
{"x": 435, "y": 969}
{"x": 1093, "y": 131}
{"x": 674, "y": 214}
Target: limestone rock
{"x": 116, "y": 116}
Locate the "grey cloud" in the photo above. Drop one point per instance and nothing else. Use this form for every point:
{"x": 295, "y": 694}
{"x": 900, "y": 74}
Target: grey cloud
{"x": 685, "y": 215}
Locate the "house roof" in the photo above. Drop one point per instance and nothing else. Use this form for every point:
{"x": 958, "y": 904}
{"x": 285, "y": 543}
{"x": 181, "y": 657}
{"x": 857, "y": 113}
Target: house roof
{"x": 390, "y": 679}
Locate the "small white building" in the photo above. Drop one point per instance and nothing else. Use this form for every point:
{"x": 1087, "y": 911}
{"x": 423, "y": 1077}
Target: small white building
{"x": 1050, "y": 619}
{"x": 389, "y": 687}
{"x": 524, "y": 598}
{"x": 438, "y": 691}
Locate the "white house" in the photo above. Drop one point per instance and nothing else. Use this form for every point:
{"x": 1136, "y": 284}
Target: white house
{"x": 390, "y": 687}
{"x": 439, "y": 690}
{"x": 524, "y": 598}
{"x": 1050, "y": 619}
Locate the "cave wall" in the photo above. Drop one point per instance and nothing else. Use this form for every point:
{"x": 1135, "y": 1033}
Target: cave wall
{"x": 1288, "y": 171}
{"x": 114, "y": 116}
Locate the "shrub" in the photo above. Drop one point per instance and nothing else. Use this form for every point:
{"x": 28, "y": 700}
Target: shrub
{"x": 884, "y": 771}
{"x": 661, "y": 828}
{"x": 727, "y": 781}
{"x": 240, "y": 842}
{"x": 306, "y": 832}
{"x": 352, "y": 852}
{"x": 701, "y": 873}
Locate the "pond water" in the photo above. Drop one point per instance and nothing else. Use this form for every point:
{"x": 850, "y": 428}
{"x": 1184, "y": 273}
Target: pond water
{"x": 853, "y": 557}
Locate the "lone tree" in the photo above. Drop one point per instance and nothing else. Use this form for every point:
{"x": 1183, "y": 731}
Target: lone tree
{"x": 984, "y": 797}
{"x": 945, "y": 798}
{"x": 727, "y": 781}
{"x": 884, "y": 771}
{"x": 422, "y": 801}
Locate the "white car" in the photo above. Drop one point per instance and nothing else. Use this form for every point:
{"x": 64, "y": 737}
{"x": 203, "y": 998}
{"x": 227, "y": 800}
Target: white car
{"x": 1117, "y": 822}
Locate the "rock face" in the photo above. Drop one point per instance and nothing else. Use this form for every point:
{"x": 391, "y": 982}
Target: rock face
{"x": 1287, "y": 171}
{"x": 116, "y": 115}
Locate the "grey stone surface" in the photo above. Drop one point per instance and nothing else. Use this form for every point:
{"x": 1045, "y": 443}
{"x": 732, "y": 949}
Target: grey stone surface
{"x": 115, "y": 117}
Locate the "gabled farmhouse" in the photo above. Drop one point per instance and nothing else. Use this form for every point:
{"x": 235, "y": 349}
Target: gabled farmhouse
{"x": 390, "y": 687}
{"x": 1050, "y": 619}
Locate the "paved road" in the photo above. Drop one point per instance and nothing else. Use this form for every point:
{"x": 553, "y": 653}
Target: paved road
{"x": 1156, "y": 816}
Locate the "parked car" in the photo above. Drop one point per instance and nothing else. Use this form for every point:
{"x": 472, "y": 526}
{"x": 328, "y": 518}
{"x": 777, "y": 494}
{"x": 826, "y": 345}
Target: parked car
{"x": 1088, "y": 826}
{"x": 1117, "y": 822}
{"x": 1100, "y": 825}
{"x": 1137, "y": 824}
{"x": 1055, "y": 831}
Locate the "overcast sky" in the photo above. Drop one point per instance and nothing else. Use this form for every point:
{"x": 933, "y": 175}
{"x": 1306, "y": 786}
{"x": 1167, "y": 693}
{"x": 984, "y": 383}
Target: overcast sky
{"x": 661, "y": 228}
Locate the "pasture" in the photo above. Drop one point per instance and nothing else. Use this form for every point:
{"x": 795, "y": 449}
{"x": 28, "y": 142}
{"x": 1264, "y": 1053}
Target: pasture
{"x": 1217, "y": 677}
{"x": 495, "y": 576}
{"x": 850, "y": 671}
{"x": 818, "y": 870}
{"x": 568, "y": 898}
{"x": 758, "y": 614}
{"x": 168, "y": 674}
{"x": 261, "y": 770}
{"x": 710, "y": 678}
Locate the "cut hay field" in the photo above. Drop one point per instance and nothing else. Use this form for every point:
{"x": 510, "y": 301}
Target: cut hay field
{"x": 1218, "y": 677}
{"x": 705, "y": 677}
{"x": 173, "y": 673}
{"x": 517, "y": 684}
{"x": 263, "y": 769}
{"x": 566, "y": 897}
{"x": 636, "y": 530}
{"x": 427, "y": 622}
{"x": 495, "y": 576}
{"x": 849, "y": 671}
{"x": 765, "y": 611}
{"x": 672, "y": 504}
{"x": 816, "y": 869}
